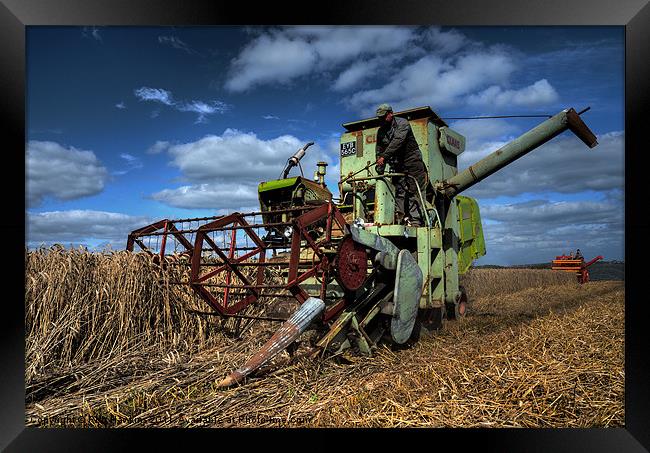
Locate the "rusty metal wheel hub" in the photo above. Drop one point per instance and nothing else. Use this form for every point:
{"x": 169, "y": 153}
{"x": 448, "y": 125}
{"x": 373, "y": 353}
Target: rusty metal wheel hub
{"x": 351, "y": 264}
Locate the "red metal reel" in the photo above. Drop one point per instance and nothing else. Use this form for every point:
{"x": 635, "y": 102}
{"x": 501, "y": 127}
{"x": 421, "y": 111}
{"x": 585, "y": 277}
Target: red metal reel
{"x": 351, "y": 264}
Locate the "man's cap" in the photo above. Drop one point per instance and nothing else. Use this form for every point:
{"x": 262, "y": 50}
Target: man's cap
{"x": 383, "y": 109}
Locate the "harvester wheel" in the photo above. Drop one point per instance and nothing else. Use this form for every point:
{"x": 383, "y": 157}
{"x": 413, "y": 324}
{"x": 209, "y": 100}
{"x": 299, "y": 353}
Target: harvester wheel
{"x": 458, "y": 310}
{"x": 431, "y": 318}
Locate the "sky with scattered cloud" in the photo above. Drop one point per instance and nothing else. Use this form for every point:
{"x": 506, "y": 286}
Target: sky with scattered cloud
{"x": 128, "y": 125}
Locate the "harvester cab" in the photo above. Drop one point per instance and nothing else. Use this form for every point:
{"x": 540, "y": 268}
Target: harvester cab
{"x": 356, "y": 276}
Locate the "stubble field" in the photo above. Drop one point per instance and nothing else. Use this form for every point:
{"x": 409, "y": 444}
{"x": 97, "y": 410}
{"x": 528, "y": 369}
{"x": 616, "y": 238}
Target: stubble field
{"x": 109, "y": 342}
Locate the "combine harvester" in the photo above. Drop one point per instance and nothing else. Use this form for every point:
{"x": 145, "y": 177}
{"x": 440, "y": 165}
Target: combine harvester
{"x": 568, "y": 263}
{"x": 354, "y": 274}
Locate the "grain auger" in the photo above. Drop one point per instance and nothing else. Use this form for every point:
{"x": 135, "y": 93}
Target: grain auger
{"x": 356, "y": 277}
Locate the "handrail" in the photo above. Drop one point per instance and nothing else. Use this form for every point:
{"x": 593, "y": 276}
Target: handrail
{"x": 422, "y": 201}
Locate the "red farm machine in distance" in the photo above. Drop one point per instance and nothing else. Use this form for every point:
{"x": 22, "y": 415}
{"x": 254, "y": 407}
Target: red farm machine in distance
{"x": 575, "y": 264}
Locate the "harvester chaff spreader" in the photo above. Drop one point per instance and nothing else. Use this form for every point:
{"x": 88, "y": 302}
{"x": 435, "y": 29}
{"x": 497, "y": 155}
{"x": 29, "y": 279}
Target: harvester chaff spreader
{"x": 355, "y": 275}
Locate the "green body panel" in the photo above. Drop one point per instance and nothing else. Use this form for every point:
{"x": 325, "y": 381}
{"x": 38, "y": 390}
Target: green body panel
{"x": 472, "y": 244}
{"x": 276, "y": 184}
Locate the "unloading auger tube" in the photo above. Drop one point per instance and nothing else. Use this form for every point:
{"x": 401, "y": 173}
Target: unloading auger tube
{"x": 356, "y": 281}
{"x": 566, "y": 119}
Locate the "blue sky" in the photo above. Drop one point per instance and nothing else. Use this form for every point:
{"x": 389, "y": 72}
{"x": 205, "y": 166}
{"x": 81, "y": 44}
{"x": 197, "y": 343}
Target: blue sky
{"x": 126, "y": 125}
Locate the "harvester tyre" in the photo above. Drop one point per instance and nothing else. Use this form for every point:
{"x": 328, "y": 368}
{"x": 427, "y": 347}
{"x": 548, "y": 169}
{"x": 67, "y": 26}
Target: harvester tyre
{"x": 458, "y": 310}
{"x": 431, "y": 318}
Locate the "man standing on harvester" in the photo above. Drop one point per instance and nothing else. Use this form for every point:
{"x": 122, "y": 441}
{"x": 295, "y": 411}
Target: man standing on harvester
{"x": 396, "y": 145}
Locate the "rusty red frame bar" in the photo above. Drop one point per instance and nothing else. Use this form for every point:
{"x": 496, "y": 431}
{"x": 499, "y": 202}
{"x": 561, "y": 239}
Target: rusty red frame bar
{"x": 231, "y": 264}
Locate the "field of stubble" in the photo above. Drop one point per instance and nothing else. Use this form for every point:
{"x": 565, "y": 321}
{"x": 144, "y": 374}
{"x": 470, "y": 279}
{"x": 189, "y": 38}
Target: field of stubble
{"x": 108, "y": 345}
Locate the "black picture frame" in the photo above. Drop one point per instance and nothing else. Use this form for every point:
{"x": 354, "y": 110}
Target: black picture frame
{"x": 634, "y": 15}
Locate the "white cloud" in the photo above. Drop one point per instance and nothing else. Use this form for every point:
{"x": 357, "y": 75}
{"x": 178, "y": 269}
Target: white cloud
{"x": 280, "y": 56}
{"x": 202, "y": 108}
{"x": 225, "y": 170}
{"x": 539, "y": 93}
{"x": 209, "y": 195}
{"x": 339, "y": 44}
{"x": 120, "y": 105}
{"x": 154, "y": 94}
{"x": 362, "y": 70}
{"x": 271, "y": 117}
{"x": 446, "y": 42}
{"x": 432, "y": 80}
{"x": 404, "y": 66}
{"x": 79, "y": 226}
{"x": 237, "y": 155}
{"x": 62, "y": 173}
{"x": 270, "y": 58}
{"x": 132, "y": 163}
{"x": 158, "y": 147}
{"x": 176, "y": 43}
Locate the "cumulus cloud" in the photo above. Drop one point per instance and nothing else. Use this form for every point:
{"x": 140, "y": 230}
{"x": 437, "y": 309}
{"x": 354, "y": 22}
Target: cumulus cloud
{"x": 445, "y": 42}
{"x": 226, "y": 169}
{"x": 562, "y": 165}
{"x": 280, "y": 56}
{"x": 537, "y": 230}
{"x": 120, "y": 105}
{"x": 362, "y": 70}
{"x": 405, "y": 66}
{"x": 341, "y": 44}
{"x": 237, "y": 155}
{"x": 539, "y": 93}
{"x": 62, "y": 173}
{"x": 270, "y": 58}
{"x": 209, "y": 195}
{"x": 81, "y": 226}
{"x": 433, "y": 80}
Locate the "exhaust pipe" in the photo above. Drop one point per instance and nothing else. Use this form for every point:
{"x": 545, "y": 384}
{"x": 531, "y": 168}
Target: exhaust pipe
{"x": 286, "y": 334}
{"x": 293, "y": 160}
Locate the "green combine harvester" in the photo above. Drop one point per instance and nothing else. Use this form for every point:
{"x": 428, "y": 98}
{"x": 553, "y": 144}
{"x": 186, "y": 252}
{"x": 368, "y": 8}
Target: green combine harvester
{"x": 352, "y": 274}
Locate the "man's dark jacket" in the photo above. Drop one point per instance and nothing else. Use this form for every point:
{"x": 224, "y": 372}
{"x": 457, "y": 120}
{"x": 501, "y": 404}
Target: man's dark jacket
{"x": 397, "y": 145}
